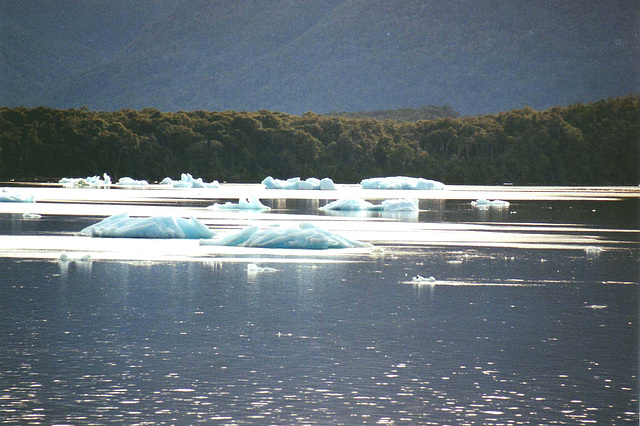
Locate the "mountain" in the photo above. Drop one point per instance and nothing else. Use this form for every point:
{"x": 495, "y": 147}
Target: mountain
{"x": 316, "y": 55}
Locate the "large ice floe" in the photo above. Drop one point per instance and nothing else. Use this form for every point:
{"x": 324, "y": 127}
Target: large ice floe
{"x": 188, "y": 181}
{"x": 248, "y": 203}
{"x": 7, "y": 196}
{"x": 123, "y": 226}
{"x": 297, "y": 183}
{"x": 306, "y": 236}
{"x": 483, "y": 203}
{"x": 88, "y": 182}
{"x": 356, "y": 204}
{"x": 401, "y": 182}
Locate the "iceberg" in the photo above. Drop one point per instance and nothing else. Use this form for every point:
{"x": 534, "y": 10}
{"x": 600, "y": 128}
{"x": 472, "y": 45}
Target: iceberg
{"x": 306, "y": 236}
{"x": 297, "y": 183}
{"x": 187, "y": 181}
{"x": 249, "y": 203}
{"x": 406, "y": 204}
{"x": 123, "y": 226}
{"x": 10, "y": 197}
{"x": 253, "y": 269}
{"x": 401, "y": 182}
{"x": 127, "y": 181}
{"x": 88, "y": 182}
{"x": 484, "y": 203}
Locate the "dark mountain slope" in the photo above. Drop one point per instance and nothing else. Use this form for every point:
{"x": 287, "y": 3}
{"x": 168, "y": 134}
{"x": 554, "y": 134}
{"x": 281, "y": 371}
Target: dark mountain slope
{"x": 296, "y": 56}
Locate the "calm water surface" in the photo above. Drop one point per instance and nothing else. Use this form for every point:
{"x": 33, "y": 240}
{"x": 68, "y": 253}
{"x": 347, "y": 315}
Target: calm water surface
{"x": 505, "y": 335}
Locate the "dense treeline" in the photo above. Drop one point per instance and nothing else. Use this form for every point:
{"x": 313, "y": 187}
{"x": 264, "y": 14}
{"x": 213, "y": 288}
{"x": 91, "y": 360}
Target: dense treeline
{"x": 595, "y": 143}
{"x": 426, "y": 112}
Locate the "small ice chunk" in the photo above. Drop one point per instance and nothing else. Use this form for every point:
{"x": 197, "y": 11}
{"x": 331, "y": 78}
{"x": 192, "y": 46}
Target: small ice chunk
{"x": 296, "y": 183}
{"x": 421, "y": 279}
{"x": 127, "y": 181}
{"x": 307, "y": 236}
{"x": 188, "y": 181}
{"x": 593, "y": 251}
{"x": 484, "y": 203}
{"x": 88, "y": 182}
{"x": 403, "y": 205}
{"x": 123, "y": 226}
{"x": 7, "y": 196}
{"x": 248, "y": 203}
{"x": 354, "y": 204}
{"x": 401, "y": 182}
{"x": 357, "y": 204}
{"x": 252, "y": 268}
{"x": 31, "y": 216}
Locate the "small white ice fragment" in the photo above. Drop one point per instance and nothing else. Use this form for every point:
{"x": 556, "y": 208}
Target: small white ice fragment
{"x": 252, "y": 268}
{"x": 421, "y": 279}
{"x": 484, "y": 203}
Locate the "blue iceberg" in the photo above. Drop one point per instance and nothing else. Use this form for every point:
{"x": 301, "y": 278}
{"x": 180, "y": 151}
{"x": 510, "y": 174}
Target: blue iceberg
{"x": 249, "y": 203}
{"x": 401, "y": 182}
{"x": 10, "y": 197}
{"x": 88, "y": 182}
{"x": 484, "y": 203}
{"x": 297, "y": 183}
{"x": 123, "y": 226}
{"x": 307, "y": 236}
{"x": 188, "y": 181}
{"x": 402, "y": 205}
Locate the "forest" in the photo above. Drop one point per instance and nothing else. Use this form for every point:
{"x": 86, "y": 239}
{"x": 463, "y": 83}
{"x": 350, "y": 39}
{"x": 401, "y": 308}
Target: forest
{"x": 584, "y": 144}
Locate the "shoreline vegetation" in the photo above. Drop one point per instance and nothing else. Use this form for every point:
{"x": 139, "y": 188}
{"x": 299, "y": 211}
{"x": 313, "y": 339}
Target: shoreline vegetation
{"x": 596, "y": 143}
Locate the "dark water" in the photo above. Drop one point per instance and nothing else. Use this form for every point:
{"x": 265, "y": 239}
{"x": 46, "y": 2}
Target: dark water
{"x": 507, "y": 336}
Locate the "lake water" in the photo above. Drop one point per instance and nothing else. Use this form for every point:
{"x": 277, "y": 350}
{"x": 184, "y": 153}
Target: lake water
{"x": 531, "y": 316}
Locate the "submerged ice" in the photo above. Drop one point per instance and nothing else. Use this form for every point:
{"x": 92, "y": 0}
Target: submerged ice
{"x": 306, "y": 236}
{"x": 401, "y": 182}
{"x": 297, "y": 183}
{"x": 401, "y": 205}
{"x": 123, "y": 226}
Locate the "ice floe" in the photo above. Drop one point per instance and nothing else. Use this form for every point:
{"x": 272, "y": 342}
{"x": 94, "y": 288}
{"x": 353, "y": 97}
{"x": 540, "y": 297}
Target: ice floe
{"x": 88, "y": 182}
{"x": 423, "y": 280}
{"x": 297, "y": 183}
{"x": 123, "y": 226}
{"x": 188, "y": 181}
{"x": 356, "y": 204}
{"x": 306, "y": 236}
{"x": 484, "y": 203}
{"x": 31, "y": 216}
{"x": 401, "y": 182}
{"x": 7, "y": 196}
{"x": 248, "y": 203}
{"x": 127, "y": 181}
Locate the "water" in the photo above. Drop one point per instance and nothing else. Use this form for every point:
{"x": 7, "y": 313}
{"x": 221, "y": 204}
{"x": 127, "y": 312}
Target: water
{"x": 532, "y": 317}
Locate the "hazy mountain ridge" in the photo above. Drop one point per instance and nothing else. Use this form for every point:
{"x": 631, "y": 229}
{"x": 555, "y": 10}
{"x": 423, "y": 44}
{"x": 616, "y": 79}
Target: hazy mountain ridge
{"x": 339, "y": 55}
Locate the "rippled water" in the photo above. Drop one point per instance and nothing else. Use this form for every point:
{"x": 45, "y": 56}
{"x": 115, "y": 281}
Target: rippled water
{"x": 531, "y": 318}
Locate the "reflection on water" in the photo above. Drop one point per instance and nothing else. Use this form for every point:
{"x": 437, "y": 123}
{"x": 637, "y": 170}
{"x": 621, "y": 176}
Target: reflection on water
{"x": 503, "y": 335}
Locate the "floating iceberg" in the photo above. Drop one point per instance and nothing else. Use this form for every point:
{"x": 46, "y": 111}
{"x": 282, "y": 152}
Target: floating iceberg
{"x": 127, "y": 181}
{"x": 31, "y": 216}
{"x": 88, "y": 182}
{"x": 484, "y": 203}
{"x": 187, "y": 181}
{"x": 401, "y": 182}
{"x": 123, "y": 226}
{"x": 249, "y": 203}
{"x": 307, "y": 236}
{"x": 296, "y": 183}
{"x": 402, "y": 205}
{"x": 10, "y": 197}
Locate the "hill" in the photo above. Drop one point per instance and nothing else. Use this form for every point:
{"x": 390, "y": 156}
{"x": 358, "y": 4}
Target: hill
{"x": 307, "y": 55}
